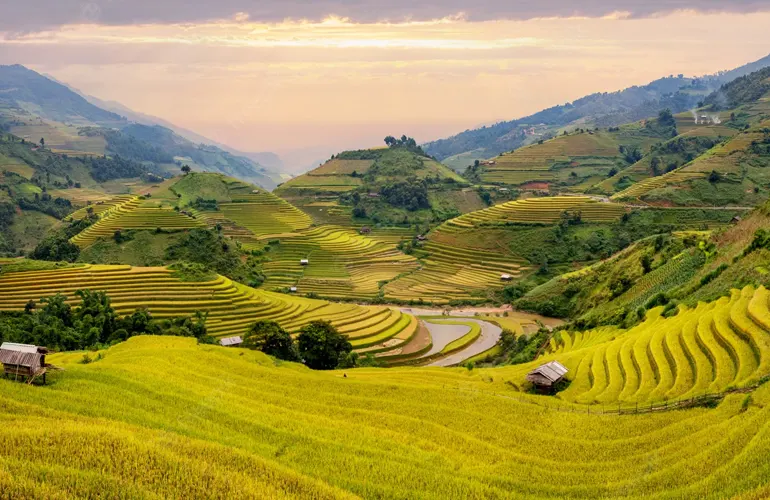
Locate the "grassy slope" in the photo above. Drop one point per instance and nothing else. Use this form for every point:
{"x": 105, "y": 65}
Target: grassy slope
{"x": 571, "y": 162}
{"x": 162, "y": 416}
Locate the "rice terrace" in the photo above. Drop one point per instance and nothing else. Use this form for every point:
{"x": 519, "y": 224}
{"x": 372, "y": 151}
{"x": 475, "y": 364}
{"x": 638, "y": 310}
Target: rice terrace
{"x": 222, "y": 277}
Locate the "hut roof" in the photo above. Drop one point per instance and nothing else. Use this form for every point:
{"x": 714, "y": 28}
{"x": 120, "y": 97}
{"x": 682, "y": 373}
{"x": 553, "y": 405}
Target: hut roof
{"x": 547, "y": 374}
{"x": 231, "y": 341}
{"x": 28, "y": 356}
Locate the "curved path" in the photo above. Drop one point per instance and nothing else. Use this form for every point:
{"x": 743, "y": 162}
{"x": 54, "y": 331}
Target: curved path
{"x": 490, "y": 335}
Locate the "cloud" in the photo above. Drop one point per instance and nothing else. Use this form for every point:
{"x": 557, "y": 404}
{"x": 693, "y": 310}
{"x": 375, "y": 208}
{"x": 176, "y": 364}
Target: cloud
{"x": 19, "y": 15}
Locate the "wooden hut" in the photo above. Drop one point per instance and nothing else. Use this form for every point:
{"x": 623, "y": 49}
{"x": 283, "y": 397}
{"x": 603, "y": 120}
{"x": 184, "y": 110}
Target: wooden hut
{"x": 231, "y": 342}
{"x": 545, "y": 377}
{"x": 304, "y": 262}
{"x": 506, "y": 277}
{"x": 366, "y": 230}
{"x": 22, "y": 361}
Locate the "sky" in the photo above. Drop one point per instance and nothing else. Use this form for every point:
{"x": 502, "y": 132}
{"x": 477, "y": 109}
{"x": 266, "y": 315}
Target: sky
{"x": 307, "y": 78}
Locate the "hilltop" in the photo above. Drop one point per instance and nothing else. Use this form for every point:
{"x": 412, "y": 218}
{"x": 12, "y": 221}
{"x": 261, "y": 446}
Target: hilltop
{"x": 394, "y": 185}
{"x": 34, "y": 107}
{"x": 677, "y": 93}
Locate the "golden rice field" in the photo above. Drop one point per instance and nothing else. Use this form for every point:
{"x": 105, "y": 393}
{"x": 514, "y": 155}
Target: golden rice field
{"x": 342, "y": 263}
{"x": 640, "y": 189}
{"x": 540, "y": 211}
{"x": 166, "y": 418}
{"x": 709, "y": 349}
{"x": 138, "y": 214}
{"x": 231, "y": 307}
{"x": 455, "y": 273}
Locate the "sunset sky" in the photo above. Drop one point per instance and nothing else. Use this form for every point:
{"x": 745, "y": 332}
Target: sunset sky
{"x": 320, "y": 76}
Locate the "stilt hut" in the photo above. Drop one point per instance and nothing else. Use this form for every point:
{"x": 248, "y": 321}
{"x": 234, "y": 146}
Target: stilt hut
{"x": 22, "y": 361}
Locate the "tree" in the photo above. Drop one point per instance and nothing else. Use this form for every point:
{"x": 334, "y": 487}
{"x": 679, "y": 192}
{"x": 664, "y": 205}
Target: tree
{"x": 42, "y": 142}
{"x": 646, "y": 262}
{"x": 391, "y": 141}
{"x": 322, "y": 347}
{"x": 270, "y": 338}
{"x": 186, "y": 169}
{"x": 715, "y": 177}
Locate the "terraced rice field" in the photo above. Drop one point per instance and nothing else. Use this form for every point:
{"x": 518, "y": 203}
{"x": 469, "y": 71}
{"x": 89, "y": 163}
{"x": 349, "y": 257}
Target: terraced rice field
{"x": 453, "y": 273}
{"x": 134, "y": 213}
{"x": 539, "y": 211}
{"x": 640, "y": 189}
{"x": 99, "y": 208}
{"x": 342, "y": 263}
{"x": 166, "y": 418}
{"x": 709, "y": 349}
{"x": 343, "y": 167}
{"x": 541, "y": 162}
{"x": 231, "y": 307}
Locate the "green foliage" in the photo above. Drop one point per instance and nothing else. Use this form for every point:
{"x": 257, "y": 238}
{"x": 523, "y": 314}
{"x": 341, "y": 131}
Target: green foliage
{"x": 93, "y": 323}
{"x": 270, "y": 338}
{"x": 411, "y": 195}
{"x": 216, "y": 254}
{"x": 521, "y": 349}
{"x": 743, "y": 90}
{"x": 322, "y": 347}
{"x": 56, "y": 247}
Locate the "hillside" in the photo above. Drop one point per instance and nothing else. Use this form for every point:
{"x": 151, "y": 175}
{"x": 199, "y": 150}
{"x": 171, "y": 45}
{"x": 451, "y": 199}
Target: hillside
{"x": 396, "y": 185}
{"x": 576, "y": 160}
{"x": 733, "y": 171}
{"x": 597, "y": 110}
{"x": 39, "y": 188}
{"x": 179, "y": 419}
{"x": 245, "y": 233}
{"x": 34, "y": 107}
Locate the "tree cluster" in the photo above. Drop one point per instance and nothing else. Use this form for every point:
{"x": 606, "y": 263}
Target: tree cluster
{"x": 57, "y": 325}
{"x": 319, "y": 345}
{"x": 411, "y": 195}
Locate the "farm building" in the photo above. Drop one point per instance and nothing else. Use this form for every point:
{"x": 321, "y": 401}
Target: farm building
{"x": 231, "y": 342}
{"x": 506, "y": 277}
{"x": 23, "y": 361}
{"x": 366, "y": 230}
{"x": 293, "y": 289}
{"x": 546, "y": 376}
{"x": 304, "y": 262}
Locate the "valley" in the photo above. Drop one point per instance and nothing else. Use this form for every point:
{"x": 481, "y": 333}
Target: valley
{"x": 380, "y": 326}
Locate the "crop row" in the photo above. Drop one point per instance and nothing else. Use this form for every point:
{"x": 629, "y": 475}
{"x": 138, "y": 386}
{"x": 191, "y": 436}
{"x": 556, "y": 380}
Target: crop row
{"x": 231, "y": 307}
{"x": 709, "y": 349}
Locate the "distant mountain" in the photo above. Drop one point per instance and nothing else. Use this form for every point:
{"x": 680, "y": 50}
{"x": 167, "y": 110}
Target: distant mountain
{"x": 266, "y": 159}
{"x": 677, "y": 93}
{"x": 27, "y": 96}
{"x": 38, "y": 95}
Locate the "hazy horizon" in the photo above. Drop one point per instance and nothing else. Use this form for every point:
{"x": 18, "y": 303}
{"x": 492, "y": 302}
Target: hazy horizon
{"x": 307, "y": 85}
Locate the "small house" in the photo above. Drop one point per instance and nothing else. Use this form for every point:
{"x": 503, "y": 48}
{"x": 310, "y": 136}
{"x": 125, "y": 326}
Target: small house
{"x": 366, "y": 230}
{"x": 293, "y": 289}
{"x": 506, "y": 277}
{"x": 736, "y": 219}
{"x": 231, "y": 342}
{"x": 545, "y": 377}
{"x": 421, "y": 237}
{"x": 23, "y": 361}
{"x": 304, "y": 262}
